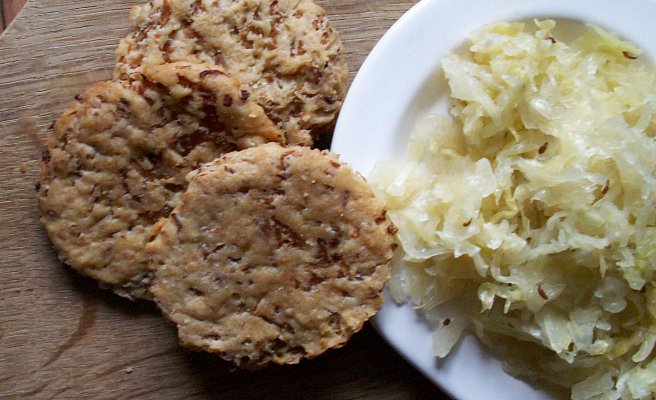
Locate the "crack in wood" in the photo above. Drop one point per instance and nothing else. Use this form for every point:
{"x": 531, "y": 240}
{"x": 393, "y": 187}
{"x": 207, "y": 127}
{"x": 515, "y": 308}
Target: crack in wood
{"x": 84, "y": 323}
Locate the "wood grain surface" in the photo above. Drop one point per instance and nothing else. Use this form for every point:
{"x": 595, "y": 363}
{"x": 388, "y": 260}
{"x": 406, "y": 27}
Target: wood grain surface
{"x": 62, "y": 337}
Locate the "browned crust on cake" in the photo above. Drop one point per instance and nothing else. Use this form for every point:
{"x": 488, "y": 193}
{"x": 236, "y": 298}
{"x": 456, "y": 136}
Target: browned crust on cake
{"x": 116, "y": 162}
{"x": 285, "y": 52}
{"x": 274, "y": 255}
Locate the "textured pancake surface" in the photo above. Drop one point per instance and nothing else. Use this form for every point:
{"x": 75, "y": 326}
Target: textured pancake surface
{"x": 283, "y": 51}
{"x": 116, "y": 162}
{"x": 274, "y": 255}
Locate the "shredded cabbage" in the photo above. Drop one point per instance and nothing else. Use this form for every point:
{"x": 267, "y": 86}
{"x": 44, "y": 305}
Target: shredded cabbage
{"x": 528, "y": 217}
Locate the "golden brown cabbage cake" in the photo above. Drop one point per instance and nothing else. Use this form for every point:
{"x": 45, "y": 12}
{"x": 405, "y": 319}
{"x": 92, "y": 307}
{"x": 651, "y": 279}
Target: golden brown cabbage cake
{"x": 117, "y": 158}
{"x": 284, "y": 52}
{"x": 274, "y": 255}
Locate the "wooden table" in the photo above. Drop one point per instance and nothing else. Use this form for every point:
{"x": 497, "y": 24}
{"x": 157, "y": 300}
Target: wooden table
{"x": 61, "y": 336}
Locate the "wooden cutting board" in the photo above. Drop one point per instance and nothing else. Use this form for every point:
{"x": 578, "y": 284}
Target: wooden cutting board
{"x": 61, "y": 336}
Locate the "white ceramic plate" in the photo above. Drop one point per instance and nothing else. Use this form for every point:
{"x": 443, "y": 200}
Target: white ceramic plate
{"x": 397, "y": 85}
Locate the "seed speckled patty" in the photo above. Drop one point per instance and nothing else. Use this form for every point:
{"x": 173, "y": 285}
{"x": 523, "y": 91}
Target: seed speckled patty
{"x": 283, "y": 51}
{"x": 274, "y": 254}
{"x": 117, "y": 158}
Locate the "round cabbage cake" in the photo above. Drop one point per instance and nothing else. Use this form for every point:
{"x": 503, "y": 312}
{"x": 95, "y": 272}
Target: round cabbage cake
{"x": 116, "y": 162}
{"x": 285, "y": 53}
{"x": 274, "y": 255}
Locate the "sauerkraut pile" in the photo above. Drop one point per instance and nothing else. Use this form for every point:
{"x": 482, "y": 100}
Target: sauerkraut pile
{"x": 529, "y": 216}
